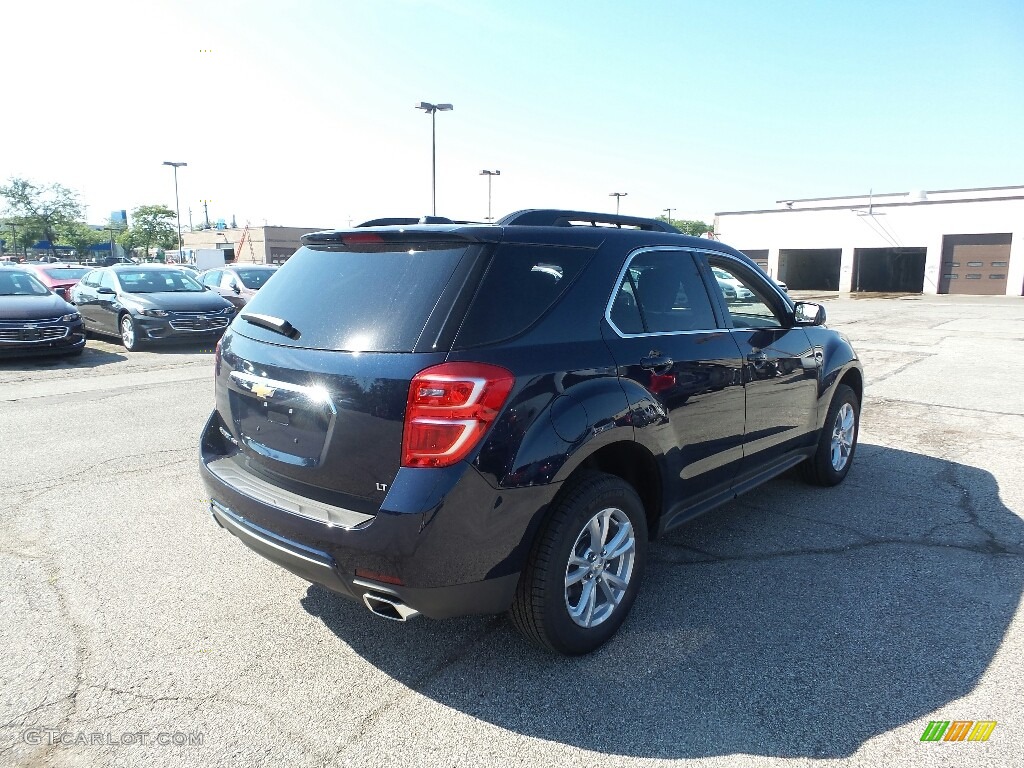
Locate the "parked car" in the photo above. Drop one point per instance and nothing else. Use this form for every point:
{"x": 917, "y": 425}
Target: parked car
{"x": 237, "y": 283}
{"x": 149, "y": 303}
{"x": 34, "y": 320}
{"x": 445, "y": 420}
{"x": 59, "y": 278}
{"x": 730, "y": 287}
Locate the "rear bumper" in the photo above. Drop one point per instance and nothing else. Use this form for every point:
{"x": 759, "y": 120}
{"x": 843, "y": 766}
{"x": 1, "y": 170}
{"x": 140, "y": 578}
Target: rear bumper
{"x": 488, "y": 596}
{"x": 445, "y": 541}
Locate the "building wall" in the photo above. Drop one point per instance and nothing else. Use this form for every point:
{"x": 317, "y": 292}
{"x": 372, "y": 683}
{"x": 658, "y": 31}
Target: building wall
{"x": 263, "y": 245}
{"x": 885, "y": 221}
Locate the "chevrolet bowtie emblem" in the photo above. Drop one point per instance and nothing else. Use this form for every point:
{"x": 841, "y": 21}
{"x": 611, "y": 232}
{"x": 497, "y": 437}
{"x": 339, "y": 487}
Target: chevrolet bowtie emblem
{"x": 263, "y": 391}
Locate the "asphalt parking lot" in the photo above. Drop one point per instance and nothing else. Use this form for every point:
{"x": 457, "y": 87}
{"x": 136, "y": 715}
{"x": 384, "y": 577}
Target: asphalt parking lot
{"x": 796, "y": 626}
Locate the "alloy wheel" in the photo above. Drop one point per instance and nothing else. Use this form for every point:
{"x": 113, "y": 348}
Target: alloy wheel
{"x": 127, "y": 332}
{"x": 600, "y": 567}
{"x": 842, "y": 437}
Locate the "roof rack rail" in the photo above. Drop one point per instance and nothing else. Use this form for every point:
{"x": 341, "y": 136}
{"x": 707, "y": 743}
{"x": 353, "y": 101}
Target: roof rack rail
{"x": 545, "y": 217}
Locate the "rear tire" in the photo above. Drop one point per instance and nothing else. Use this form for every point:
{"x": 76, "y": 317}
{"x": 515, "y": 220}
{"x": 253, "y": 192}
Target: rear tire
{"x": 838, "y": 440}
{"x": 585, "y": 568}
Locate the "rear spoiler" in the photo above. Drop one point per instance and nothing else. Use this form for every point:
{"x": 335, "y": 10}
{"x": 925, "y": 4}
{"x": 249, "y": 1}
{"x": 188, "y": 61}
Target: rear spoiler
{"x": 386, "y": 238}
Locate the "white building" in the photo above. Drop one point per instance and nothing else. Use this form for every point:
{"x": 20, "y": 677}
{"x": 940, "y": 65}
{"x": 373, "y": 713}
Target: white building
{"x": 941, "y": 241}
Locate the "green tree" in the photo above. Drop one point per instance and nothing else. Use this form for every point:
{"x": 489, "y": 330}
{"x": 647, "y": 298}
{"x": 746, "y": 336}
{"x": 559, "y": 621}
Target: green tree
{"x": 693, "y": 227}
{"x": 81, "y": 237}
{"x": 42, "y": 210}
{"x": 151, "y": 225}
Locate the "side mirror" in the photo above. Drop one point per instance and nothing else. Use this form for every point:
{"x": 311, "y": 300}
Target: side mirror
{"x": 235, "y": 288}
{"x": 105, "y": 291}
{"x": 808, "y": 313}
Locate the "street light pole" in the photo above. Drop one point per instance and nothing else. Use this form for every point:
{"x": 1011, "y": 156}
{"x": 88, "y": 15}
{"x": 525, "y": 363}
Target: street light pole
{"x": 110, "y": 226}
{"x": 489, "y": 174}
{"x": 433, "y": 109}
{"x": 669, "y": 212}
{"x": 177, "y": 205}
{"x": 618, "y": 196}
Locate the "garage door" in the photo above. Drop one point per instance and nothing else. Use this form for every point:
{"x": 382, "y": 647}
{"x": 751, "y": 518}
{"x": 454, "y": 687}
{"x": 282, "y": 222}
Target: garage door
{"x": 896, "y": 270}
{"x": 759, "y": 257}
{"x": 975, "y": 264}
{"x": 810, "y": 269}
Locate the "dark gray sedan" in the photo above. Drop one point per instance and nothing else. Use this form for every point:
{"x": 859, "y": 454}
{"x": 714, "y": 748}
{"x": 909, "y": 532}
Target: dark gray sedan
{"x": 142, "y": 303}
{"x": 34, "y": 320}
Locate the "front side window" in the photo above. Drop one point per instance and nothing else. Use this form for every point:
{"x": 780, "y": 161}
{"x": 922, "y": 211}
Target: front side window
{"x": 745, "y": 299}
{"x": 107, "y": 281}
{"x": 212, "y": 279}
{"x": 662, "y": 292}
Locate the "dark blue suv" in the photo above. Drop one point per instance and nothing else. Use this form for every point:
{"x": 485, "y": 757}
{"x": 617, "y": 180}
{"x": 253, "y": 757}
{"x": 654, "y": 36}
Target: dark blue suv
{"x": 450, "y": 419}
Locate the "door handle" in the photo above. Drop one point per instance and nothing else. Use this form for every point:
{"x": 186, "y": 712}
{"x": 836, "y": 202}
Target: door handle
{"x": 657, "y": 363}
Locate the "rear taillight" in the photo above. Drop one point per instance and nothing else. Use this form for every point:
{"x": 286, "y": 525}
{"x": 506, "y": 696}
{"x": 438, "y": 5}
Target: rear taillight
{"x": 450, "y": 408}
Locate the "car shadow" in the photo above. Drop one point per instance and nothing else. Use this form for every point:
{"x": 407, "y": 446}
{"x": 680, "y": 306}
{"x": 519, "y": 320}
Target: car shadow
{"x": 90, "y": 358}
{"x": 794, "y": 622}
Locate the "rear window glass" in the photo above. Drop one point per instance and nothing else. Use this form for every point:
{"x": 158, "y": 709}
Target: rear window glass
{"x": 253, "y": 278}
{"x": 521, "y": 283}
{"x": 353, "y": 301}
{"x": 66, "y": 273}
{"x": 157, "y": 281}
{"x": 20, "y": 284}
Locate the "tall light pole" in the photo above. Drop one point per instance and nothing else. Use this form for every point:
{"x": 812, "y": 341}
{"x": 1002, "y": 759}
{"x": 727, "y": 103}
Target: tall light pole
{"x": 489, "y": 174}
{"x": 668, "y": 212}
{"x": 177, "y": 205}
{"x": 432, "y": 110}
{"x": 618, "y": 196}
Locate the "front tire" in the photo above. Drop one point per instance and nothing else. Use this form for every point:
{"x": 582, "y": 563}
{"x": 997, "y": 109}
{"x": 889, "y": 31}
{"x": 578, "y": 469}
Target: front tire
{"x": 129, "y": 333}
{"x": 838, "y": 441}
{"x": 585, "y": 568}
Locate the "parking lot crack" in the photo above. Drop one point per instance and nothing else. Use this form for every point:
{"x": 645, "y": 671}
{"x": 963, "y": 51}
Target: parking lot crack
{"x": 416, "y": 685}
{"x": 989, "y": 548}
{"x": 72, "y": 478}
{"x": 918, "y": 357}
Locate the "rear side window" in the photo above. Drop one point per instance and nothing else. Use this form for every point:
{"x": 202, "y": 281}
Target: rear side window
{"x": 662, "y": 292}
{"x": 521, "y": 283}
{"x": 356, "y": 301}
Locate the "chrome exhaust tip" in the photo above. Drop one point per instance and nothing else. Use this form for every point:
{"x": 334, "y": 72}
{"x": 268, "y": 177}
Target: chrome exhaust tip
{"x": 388, "y": 607}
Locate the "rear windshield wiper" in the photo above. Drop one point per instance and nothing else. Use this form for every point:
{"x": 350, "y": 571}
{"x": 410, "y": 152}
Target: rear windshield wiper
{"x": 271, "y": 323}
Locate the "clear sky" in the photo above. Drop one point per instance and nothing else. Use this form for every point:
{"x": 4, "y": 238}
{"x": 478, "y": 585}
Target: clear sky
{"x": 301, "y": 113}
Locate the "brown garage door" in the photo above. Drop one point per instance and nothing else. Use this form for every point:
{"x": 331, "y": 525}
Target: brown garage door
{"x": 976, "y": 264}
{"x": 760, "y": 257}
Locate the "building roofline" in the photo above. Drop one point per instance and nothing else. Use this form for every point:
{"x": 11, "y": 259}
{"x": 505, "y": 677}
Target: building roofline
{"x": 897, "y": 194}
{"x": 876, "y": 205}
